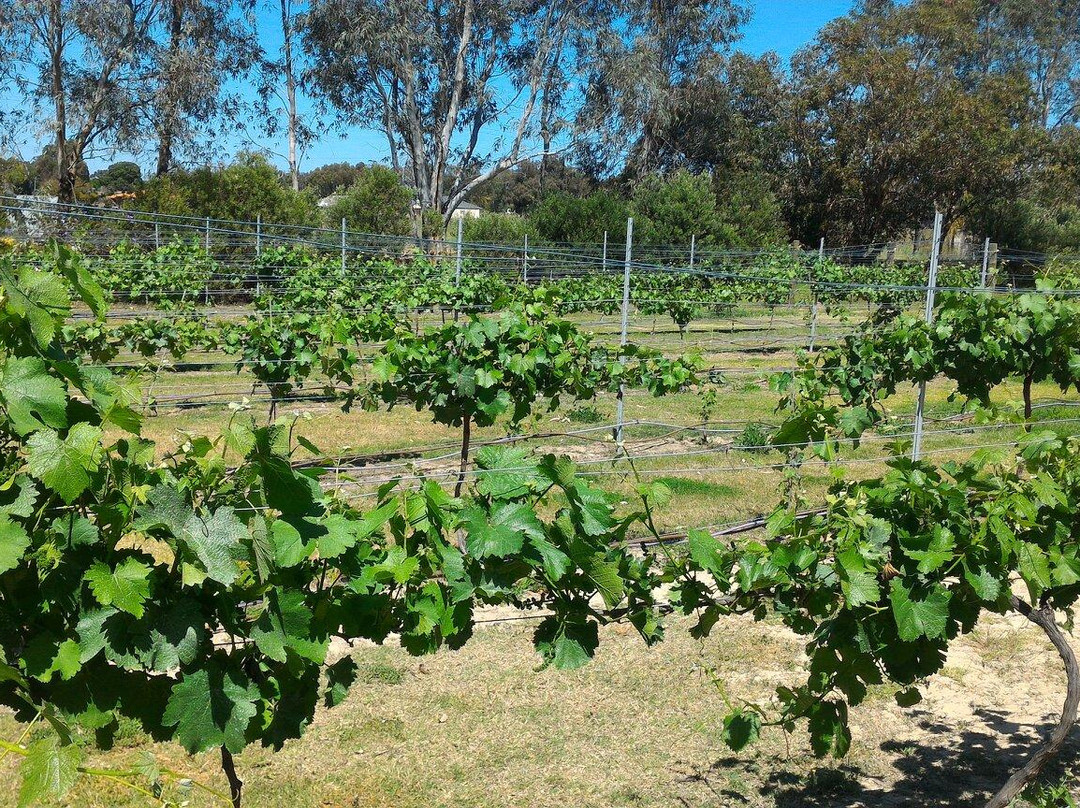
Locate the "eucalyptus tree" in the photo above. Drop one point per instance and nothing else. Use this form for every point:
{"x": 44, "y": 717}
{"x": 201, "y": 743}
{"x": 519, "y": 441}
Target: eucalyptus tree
{"x": 82, "y": 68}
{"x": 1040, "y": 41}
{"x": 200, "y": 45}
{"x": 892, "y": 116}
{"x": 461, "y": 91}
{"x": 281, "y": 85}
{"x": 647, "y": 60}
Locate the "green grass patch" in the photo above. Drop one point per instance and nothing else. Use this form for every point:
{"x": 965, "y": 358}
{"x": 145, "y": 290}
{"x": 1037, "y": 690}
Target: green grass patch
{"x": 688, "y": 487}
{"x": 380, "y": 672}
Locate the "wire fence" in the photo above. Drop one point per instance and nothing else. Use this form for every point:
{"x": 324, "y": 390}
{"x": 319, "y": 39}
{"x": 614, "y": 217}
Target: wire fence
{"x": 744, "y": 338}
{"x": 94, "y": 227}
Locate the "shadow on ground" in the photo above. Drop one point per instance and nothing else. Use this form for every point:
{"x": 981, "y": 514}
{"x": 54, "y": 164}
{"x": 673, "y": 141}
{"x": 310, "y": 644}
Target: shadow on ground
{"x": 948, "y": 766}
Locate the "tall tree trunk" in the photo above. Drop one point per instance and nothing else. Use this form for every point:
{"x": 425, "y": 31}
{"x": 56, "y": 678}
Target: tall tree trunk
{"x": 167, "y": 120}
{"x": 65, "y": 171}
{"x": 545, "y": 135}
{"x": 1043, "y": 617}
{"x": 290, "y": 96}
{"x": 164, "y": 152}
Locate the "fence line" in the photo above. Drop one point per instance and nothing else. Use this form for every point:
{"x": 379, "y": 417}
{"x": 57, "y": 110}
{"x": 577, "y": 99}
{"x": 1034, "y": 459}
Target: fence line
{"x": 105, "y": 227}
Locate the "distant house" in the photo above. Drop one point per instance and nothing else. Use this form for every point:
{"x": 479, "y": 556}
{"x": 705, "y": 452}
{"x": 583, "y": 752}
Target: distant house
{"x": 329, "y": 201}
{"x": 467, "y": 210}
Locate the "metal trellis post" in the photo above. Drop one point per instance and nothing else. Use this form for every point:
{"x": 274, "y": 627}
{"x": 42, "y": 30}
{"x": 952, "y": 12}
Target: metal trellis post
{"x": 207, "y": 240}
{"x": 984, "y": 277}
{"x": 931, "y": 286}
{"x": 342, "y": 243}
{"x": 258, "y": 234}
{"x": 457, "y": 266}
{"x": 603, "y": 255}
{"x": 625, "y": 323}
{"x": 813, "y": 297}
{"x": 157, "y": 235}
{"x": 525, "y": 262}
{"x": 693, "y": 244}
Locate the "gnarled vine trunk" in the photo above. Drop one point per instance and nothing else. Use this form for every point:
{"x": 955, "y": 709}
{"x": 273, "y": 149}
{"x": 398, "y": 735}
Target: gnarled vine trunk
{"x": 236, "y": 785}
{"x": 466, "y": 429}
{"x": 1027, "y": 402}
{"x": 1043, "y": 617}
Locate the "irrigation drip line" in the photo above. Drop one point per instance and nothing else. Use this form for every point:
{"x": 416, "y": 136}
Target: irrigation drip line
{"x": 736, "y": 529}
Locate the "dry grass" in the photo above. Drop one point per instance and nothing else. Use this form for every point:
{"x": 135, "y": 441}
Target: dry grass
{"x": 637, "y": 727}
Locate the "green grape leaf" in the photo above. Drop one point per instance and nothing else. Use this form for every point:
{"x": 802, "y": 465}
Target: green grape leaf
{"x": 339, "y": 678}
{"x": 289, "y": 546}
{"x": 31, "y": 396}
{"x": 706, "y": 551}
{"x": 828, "y": 727}
{"x": 605, "y": 576}
{"x": 741, "y": 728}
{"x": 166, "y": 507}
{"x": 500, "y": 473}
{"x": 14, "y": 542}
{"x": 908, "y": 697}
{"x": 566, "y": 643}
{"x": 217, "y": 543}
{"x": 1034, "y": 568}
{"x": 592, "y": 509}
{"x": 856, "y": 582}
{"x": 983, "y": 583}
{"x": 127, "y": 587}
{"x": 65, "y": 464}
{"x": 23, "y": 504}
{"x": 75, "y": 531}
{"x": 211, "y": 707}
{"x": 44, "y": 657}
{"x": 89, "y": 291}
{"x": 284, "y": 625}
{"x": 340, "y": 535}
{"x": 38, "y": 296}
{"x": 919, "y": 617}
{"x": 502, "y": 532}
{"x": 49, "y": 771}
{"x": 560, "y": 470}
{"x": 555, "y": 562}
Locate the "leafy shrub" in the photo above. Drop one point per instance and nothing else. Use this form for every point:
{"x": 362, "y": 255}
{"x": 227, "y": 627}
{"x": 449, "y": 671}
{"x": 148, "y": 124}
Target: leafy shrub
{"x": 753, "y": 438}
{"x": 376, "y": 202}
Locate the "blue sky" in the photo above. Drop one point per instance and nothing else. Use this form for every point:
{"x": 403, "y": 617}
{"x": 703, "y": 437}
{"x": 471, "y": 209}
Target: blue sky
{"x": 785, "y": 26}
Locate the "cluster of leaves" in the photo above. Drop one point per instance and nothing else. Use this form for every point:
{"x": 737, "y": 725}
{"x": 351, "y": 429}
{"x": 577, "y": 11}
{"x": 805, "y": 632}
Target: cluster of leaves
{"x": 285, "y": 351}
{"x": 149, "y": 338}
{"x": 889, "y": 573}
{"x": 199, "y": 600}
{"x": 478, "y": 370}
{"x": 977, "y": 341}
{"x": 175, "y": 275}
{"x": 893, "y": 285}
{"x": 180, "y": 274}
